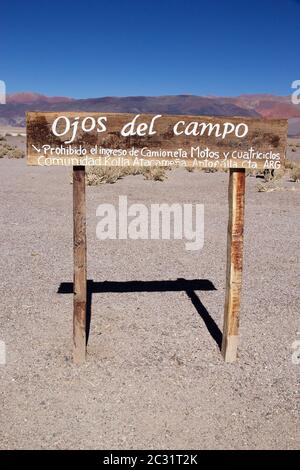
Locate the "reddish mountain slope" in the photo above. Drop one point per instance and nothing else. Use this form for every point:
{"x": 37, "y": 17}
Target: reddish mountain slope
{"x": 268, "y": 106}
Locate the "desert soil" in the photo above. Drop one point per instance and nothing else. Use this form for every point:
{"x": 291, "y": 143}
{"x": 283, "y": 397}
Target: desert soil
{"x": 154, "y": 377}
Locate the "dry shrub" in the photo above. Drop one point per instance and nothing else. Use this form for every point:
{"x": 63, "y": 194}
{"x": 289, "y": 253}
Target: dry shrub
{"x": 251, "y": 172}
{"x": 278, "y": 174}
{"x": 267, "y": 187}
{"x": 131, "y": 170}
{"x": 295, "y": 174}
{"x": 289, "y": 165}
{"x": 271, "y": 181}
{"x": 15, "y": 152}
{"x": 10, "y": 151}
{"x": 294, "y": 169}
{"x": 210, "y": 170}
{"x": 96, "y": 175}
{"x": 156, "y": 173}
{"x": 192, "y": 169}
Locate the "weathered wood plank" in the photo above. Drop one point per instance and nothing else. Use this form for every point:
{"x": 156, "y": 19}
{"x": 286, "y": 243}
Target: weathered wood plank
{"x": 236, "y": 197}
{"x": 80, "y": 283}
{"x": 203, "y": 141}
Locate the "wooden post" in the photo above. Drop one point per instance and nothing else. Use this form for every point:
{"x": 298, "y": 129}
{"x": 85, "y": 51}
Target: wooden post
{"x": 236, "y": 199}
{"x": 79, "y": 250}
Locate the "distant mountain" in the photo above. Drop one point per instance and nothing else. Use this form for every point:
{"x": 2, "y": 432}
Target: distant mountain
{"x": 34, "y": 98}
{"x": 268, "y": 106}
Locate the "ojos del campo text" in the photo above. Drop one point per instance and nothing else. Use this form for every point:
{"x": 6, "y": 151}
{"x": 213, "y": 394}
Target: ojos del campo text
{"x": 89, "y": 124}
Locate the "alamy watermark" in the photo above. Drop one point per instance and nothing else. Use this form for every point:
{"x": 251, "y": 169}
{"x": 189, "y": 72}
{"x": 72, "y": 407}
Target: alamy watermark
{"x": 296, "y": 351}
{"x": 158, "y": 221}
{"x": 2, "y": 353}
{"x": 296, "y": 93}
{"x": 2, "y": 92}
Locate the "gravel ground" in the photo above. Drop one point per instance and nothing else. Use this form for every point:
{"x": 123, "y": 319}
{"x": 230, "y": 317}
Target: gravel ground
{"x": 154, "y": 377}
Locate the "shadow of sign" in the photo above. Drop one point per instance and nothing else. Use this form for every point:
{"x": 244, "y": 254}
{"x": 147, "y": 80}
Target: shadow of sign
{"x": 178, "y": 285}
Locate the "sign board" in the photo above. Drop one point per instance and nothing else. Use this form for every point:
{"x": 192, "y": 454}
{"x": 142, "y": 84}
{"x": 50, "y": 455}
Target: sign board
{"x": 106, "y": 139}
{"x": 120, "y": 139}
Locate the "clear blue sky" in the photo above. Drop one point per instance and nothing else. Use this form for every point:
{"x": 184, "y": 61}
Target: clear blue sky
{"x": 98, "y": 48}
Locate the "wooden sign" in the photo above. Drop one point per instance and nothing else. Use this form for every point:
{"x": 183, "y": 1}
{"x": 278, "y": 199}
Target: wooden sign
{"x": 106, "y": 139}
{"x": 82, "y": 139}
